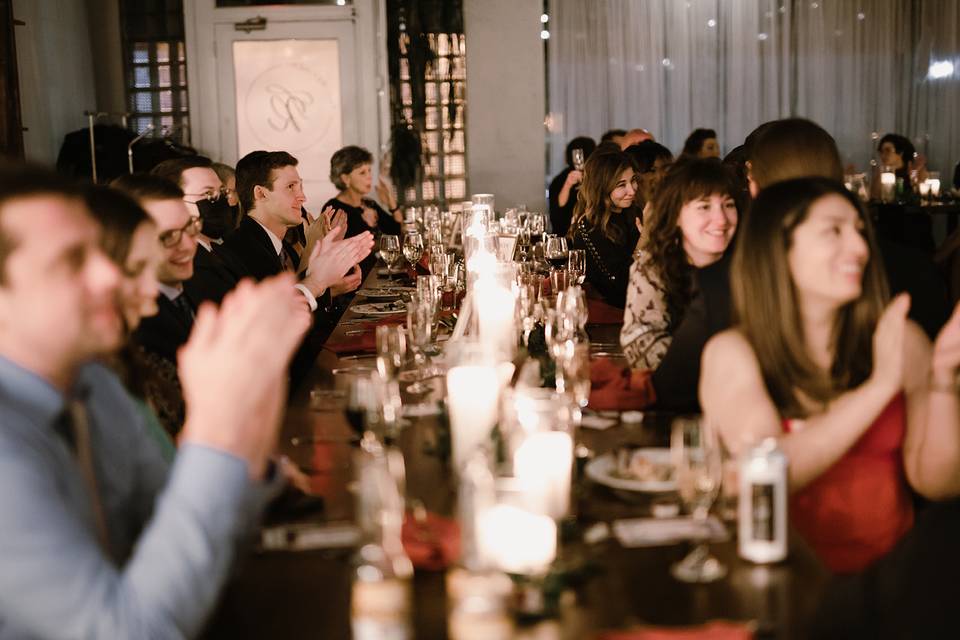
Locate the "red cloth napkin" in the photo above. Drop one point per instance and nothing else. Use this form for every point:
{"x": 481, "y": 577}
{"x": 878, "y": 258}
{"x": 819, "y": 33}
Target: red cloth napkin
{"x": 599, "y": 312}
{"x": 615, "y": 388}
{"x": 432, "y": 544}
{"x": 366, "y": 341}
{"x": 717, "y": 630}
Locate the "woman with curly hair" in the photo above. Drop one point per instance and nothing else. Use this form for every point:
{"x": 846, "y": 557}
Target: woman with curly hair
{"x": 692, "y": 221}
{"x": 605, "y": 222}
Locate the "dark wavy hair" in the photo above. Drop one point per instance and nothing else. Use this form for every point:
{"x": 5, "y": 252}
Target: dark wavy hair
{"x": 695, "y": 140}
{"x": 600, "y": 175}
{"x": 581, "y": 142}
{"x": 767, "y": 308}
{"x": 901, "y": 145}
{"x": 686, "y": 180}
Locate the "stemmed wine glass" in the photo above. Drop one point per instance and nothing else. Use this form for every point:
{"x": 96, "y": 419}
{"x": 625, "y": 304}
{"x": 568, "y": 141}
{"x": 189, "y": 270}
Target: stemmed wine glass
{"x": 577, "y": 265}
{"x": 697, "y": 460}
{"x": 390, "y": 251}
{"x": 413, "y": 247}
{"x": 555, "y": 251}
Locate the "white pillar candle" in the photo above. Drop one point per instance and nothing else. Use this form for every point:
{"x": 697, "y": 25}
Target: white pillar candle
{"x": 934, "y": 187}
{"x": 925, "y": 188}
{"x": 496, "y": 316}
{"x": 888, "y": 184}
{"x": 517, "y": 541}
{"x": 543, "y": 464}
{"x": 473, "y": 397}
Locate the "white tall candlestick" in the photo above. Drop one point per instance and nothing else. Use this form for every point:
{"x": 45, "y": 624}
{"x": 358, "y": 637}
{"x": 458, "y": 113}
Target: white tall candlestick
{"x": 496, "y": 316}
{"x": 543, "y": 464}
{"x": 473, "y": 396}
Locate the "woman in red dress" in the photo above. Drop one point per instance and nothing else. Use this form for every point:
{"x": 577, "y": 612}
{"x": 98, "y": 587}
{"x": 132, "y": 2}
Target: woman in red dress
{"x": 861, "y": 403}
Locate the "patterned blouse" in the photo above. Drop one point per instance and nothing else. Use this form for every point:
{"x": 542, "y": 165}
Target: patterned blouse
{"x": 645, "y": 336}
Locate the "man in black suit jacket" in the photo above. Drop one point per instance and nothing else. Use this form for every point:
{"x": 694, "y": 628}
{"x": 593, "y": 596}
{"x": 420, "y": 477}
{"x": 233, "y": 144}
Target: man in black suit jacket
{"x": 271, "y": 194}
{"x": 205, "y": 197}
{"x": 164, "y": 333}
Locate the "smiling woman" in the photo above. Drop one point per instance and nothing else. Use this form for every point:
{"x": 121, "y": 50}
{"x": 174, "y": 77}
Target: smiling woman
{"x": 605, "y": 222}
{"x": 693, "y": 218}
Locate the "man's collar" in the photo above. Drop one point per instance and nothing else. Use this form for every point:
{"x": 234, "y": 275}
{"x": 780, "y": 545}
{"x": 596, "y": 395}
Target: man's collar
{"x": 171, "y": 293}
{"x": 277, "y": 243}
{"x": 29, "y": 391}
{"x": 205, "y": 243}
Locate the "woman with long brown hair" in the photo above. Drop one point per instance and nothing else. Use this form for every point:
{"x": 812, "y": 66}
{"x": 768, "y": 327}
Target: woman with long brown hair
{"x": 820, "y": 360}
{"x": 605, "y": 222}
{"x": 690, "y": 224}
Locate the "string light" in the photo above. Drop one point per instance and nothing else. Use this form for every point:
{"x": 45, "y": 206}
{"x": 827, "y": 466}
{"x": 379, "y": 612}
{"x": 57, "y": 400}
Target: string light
{"x": 544, "y": 35}
{"x": 762, "y": 36}
{"x": 544, "y": 18}
{"x": 941, "y": 69}
{"x": 861, "y": 16}
{"x": 711, "y": 23}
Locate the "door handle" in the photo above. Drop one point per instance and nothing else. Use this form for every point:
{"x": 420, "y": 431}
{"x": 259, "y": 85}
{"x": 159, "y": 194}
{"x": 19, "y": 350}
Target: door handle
{"x": 251, "y": 24}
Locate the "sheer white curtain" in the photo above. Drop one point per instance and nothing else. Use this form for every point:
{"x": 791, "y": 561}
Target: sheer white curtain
{"x": 857, "y": 67}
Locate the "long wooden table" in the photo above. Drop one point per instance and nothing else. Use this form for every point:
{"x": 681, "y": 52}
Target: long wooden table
{"x": 306, "y": 594}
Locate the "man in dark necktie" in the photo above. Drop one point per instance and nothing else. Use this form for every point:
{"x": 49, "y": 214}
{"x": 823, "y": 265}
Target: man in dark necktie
{"x": 100, "y": 537}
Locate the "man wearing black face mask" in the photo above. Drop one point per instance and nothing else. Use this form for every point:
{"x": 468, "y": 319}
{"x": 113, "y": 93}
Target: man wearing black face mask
{"x": 204, "y": 196}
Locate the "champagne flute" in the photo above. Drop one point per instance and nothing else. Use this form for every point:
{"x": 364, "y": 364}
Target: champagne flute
{"x": 390, "y": 251}
{"x": 420, "y": 315}
{"x": 413, "y": 247}
{"x": 696, "y": 456}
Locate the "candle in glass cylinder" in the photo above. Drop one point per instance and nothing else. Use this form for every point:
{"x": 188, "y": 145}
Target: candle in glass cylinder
{"x": 934, "y": 187}
{"x": 543, "y": 464}
{"x": 517, "y": 541}
{"x": 888, "y": 185}
{"x": 473, "y": 396}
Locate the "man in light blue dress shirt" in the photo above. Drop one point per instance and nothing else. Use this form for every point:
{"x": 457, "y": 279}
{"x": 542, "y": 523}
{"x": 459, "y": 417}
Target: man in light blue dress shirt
{"x": 170, "y": 533}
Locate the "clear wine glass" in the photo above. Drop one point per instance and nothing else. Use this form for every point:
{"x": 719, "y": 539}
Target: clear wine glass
{"x": 577, "y": 265}
{"x": 698, "y": 464}
{"x": 413, "y": 247}
{"x": 390, "y": 251}
{"x": 555, "y": 251}
{"x": 391, "y": 350}
{"x": 577, "y": 157}
{"x": 420, "y": 316}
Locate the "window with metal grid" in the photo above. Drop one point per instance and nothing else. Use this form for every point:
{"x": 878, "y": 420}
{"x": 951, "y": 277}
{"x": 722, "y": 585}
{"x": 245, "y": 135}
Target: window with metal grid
{"x": 155, "y": 65}
{"x": 445, "y": 168}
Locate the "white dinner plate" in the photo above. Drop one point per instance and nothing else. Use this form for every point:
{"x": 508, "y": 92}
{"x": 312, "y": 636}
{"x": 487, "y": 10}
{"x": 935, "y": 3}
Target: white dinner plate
{"x": 602, "y": 470}
{"x": 383, "y": 293}
{"x": 380, "y": 308}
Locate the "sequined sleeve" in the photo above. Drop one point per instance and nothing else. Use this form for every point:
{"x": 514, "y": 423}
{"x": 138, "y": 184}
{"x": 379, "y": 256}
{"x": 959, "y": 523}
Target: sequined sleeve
{"x": 645, "y": 335}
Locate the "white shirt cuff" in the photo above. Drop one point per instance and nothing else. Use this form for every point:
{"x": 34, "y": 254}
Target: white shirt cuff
{"x": 311, "y": 299}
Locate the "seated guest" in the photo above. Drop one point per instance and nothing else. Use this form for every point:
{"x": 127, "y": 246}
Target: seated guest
{"x": 564, "y": 187}
{"x": 634, "y": 136}
{"x": 605, "y": 223}
{"x": 228, "y": 177}
{"x": 271, "y": 195}
{"x": 204, "y": 194}
{"x": 129, "y": 238}
{"x": 100, "y": 537}
{"x": 205, "y": 198}
{"x": 702, "y": 143}
{"x": 614, "y": 136}
{"x": 777, "y": 151}
{"x": 691, "y": 222}
{"x": 817, "y": 358}
{"x": 897, "y": 153}
{"x": 351, "y": 171}
{"x": 652, "y": 160}
{"x": 164, "y": 333}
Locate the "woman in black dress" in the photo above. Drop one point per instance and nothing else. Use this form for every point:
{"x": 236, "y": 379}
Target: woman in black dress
{"x": 606, "y": 222}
